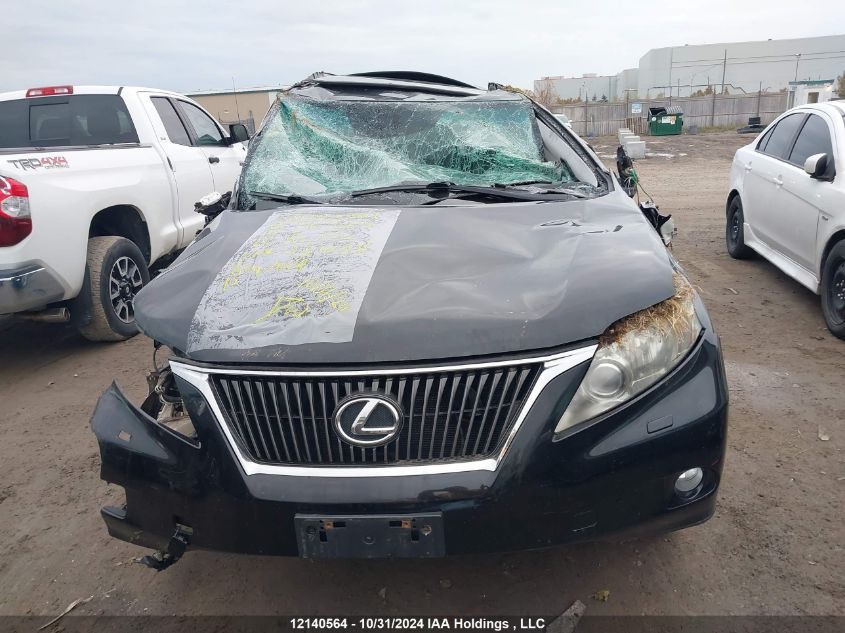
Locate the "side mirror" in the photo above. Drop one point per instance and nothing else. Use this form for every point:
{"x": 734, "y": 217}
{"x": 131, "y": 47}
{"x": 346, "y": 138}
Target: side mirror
{"x": 625, "y": 169}
{"x": 816, "y": 166}
{"x": 212, "y": 205}
{"x": 238, "y": 133}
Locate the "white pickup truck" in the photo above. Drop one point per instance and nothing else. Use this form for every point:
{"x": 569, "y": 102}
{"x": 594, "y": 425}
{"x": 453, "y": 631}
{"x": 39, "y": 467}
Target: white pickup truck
{"x": 96, "y": 184}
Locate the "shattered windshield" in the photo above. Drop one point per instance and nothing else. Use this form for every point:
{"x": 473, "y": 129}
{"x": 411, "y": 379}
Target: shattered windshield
{"x": 330, "y": 147}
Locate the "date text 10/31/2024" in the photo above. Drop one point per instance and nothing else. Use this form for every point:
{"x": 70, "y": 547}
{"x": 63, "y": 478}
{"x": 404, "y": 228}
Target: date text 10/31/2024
{"x": 456, "y": 623}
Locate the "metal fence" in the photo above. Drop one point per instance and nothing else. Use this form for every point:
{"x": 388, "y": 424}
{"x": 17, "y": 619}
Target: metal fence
{"x": 601, "y": 119}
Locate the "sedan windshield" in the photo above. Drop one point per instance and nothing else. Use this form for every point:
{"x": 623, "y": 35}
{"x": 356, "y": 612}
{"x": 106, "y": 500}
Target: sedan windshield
{"x": 331, "y": 148}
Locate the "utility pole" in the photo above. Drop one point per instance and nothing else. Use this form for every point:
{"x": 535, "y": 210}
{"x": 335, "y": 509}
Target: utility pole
{"x": 235, "y": 94}
{"x": 671, "y": 64}
{"x": 797, "y": 59}
{"x": 713, "y": 102}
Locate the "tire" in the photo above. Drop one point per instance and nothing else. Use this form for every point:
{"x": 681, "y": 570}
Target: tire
{"x": 115, "y": 265}
{"x": 735, "y": 233}
{"x": 833, "y": 290}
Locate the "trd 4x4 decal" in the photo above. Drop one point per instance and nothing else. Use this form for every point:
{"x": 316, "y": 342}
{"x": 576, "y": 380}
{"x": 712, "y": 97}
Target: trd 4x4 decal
{"x": 47, "y": 162}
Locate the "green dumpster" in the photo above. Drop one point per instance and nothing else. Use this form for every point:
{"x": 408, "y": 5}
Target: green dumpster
{"x": 665, "y": 121}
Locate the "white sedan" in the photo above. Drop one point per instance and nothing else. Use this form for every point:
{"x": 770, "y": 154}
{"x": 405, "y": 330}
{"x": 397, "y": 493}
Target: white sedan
{"x": 787, "y": 202}
{"x": 565, "y": 120}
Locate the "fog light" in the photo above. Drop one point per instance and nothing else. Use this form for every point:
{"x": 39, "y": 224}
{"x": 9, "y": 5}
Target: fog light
{"x": 688, "y": 481}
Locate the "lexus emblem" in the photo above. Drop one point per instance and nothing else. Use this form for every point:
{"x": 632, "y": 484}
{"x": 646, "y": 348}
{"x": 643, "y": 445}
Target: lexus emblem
{"x": 367, "y": 420}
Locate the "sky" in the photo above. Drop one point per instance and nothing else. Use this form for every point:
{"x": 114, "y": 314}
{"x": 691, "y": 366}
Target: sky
{"x": 191, "y": 45}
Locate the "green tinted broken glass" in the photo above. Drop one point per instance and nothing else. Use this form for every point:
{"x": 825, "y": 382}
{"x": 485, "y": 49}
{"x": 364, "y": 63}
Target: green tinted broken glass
{"x": 311, "y": 147}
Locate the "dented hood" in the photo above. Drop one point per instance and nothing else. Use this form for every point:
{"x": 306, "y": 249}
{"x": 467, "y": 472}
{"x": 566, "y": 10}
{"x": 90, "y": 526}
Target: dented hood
{"x": 336, "y": 285}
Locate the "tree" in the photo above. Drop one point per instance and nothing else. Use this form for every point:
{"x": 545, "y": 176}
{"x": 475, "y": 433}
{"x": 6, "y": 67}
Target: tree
{"x": 703, "y": 93}
{"x": 603, "y": 99}
{"x": 840, "y": 85}
{"x": 545, "y": 95}
{"x": 594, "y": 96}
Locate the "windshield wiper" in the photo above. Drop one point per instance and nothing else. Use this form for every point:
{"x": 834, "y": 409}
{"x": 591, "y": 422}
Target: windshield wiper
{"x": 281, "y": 197}
{"x": 554, "y": 188}
{"x": 443, "y": 189}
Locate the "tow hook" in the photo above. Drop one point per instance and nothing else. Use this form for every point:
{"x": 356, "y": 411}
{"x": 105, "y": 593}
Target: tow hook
{"x": 175, "y": 548}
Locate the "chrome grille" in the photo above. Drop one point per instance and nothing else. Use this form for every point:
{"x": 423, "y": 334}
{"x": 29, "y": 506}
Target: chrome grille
{"x": 447, "y": 415}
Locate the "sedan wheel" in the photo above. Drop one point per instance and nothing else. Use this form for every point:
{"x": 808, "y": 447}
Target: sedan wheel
{"x": 833, "y": 290}
{"x": 734, "y": 231}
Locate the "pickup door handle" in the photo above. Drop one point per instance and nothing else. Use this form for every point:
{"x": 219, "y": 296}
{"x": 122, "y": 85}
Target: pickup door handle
{"x": 778, "y": 181}
{"x": 213, "y": 159}
{"x": 748, "y": 166}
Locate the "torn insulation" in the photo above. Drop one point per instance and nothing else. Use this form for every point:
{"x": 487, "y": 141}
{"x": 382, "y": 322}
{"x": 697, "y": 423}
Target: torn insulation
{"x": 675, "y": 316}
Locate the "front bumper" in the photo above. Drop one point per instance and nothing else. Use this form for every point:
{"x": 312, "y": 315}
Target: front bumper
{"x": 614, "y": 474}
{"x": 28, "y": 287}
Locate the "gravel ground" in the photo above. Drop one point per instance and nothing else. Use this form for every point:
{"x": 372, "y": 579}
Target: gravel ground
{"x": 775, "y": 545}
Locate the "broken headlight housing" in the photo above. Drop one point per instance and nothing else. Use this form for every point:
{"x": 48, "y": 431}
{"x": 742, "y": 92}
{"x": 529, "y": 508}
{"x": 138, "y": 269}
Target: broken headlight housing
{"x": 634, "y": 353}
{"x": 164, "y": 403}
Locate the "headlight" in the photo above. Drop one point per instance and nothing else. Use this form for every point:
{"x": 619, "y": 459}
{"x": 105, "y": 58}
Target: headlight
{"x": 634, "y": 353}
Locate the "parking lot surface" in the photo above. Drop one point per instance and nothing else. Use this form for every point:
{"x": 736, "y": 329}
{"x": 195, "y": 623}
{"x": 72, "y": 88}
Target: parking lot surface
{"x": 775, "y": 545}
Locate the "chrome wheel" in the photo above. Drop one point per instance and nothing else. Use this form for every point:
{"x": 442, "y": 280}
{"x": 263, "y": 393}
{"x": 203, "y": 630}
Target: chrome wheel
{"x": 125, "y": 281}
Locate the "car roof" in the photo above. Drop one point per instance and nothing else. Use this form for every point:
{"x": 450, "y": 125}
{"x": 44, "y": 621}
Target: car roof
{"x": 831, "y": 107}
{"x": 415, "y": 76}
{"x": 396, "y": 80}
{"x": 839, "y": 106}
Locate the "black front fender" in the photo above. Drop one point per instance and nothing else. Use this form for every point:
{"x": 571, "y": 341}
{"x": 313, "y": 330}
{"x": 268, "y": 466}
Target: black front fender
{"x": 134, "y": 447}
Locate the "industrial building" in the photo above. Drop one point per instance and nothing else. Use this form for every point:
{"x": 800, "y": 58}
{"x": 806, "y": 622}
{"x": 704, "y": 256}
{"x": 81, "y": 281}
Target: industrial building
{"x": 244, "y": 105}
{"x": 739, "y": 67}
{"x": 589, "y": 85}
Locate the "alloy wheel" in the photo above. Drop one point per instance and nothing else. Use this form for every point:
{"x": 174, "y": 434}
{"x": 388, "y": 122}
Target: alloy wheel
{"x": 125, "y": 281}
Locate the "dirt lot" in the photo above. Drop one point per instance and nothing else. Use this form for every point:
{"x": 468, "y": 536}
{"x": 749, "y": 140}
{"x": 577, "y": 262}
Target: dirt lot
{"x": 775, "y": 545}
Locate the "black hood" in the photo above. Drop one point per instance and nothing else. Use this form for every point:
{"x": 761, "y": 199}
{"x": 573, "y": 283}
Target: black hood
{"x": 328, "y": 285}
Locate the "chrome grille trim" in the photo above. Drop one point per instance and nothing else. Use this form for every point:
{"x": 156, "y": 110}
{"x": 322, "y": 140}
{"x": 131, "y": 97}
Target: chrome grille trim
{"x": 485, "y": 404}
{"x": 552, "y": 366}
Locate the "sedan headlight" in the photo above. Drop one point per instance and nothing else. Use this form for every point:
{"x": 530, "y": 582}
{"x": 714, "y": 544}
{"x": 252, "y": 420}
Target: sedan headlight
{"x": 634, "y": 353}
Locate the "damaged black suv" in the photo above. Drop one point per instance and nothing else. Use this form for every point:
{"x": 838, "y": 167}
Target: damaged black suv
{"x": 429, "y": 322}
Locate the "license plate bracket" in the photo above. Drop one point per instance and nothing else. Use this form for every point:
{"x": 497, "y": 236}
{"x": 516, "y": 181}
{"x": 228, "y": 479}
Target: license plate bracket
{"x": 370, "y": 536}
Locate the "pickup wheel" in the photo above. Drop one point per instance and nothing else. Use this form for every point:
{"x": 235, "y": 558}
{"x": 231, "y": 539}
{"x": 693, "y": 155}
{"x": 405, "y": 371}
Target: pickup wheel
{"x": 734, "y": 232}
{"x": 117, "y": 271}
{"x": 833, "y": 290}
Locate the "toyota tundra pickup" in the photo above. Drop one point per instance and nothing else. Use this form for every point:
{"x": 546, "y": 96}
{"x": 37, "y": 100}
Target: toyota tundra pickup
{"x": 97, "y": 183}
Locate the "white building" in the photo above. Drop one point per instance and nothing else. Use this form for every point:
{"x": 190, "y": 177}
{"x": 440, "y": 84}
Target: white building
{"x": 768, "y": 65}
{"x": 583, "y": 87}
{"x": 808, "y": 91}
{"x": 747, "y": 66}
